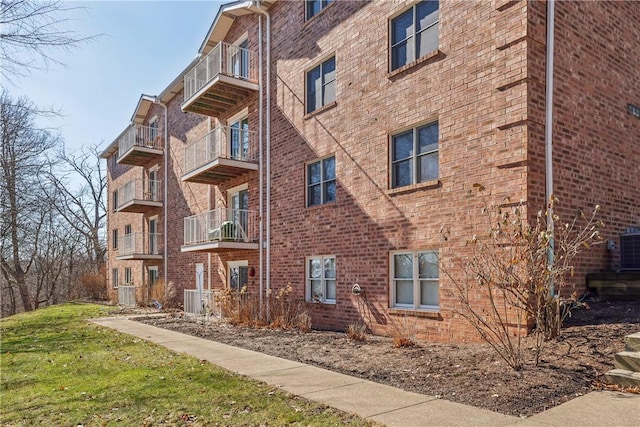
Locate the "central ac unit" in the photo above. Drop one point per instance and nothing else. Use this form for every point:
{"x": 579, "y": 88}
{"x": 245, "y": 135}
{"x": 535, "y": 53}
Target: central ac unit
{"x": 630, "y": 251}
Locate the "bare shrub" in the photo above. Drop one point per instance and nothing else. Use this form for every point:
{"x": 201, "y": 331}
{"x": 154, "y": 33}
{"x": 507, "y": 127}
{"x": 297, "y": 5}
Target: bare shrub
{"x": 165, "y": 295}
{"x": 356, "y": 332}
{"x": 93, "y": 285}
{"x": 403, "y": 334}
{"x": 515, "y": 273}
{"x": 284, "y": 311}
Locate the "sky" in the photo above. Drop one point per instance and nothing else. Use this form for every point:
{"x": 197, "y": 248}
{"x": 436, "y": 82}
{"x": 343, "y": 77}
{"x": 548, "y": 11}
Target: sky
{"x": 140, "y": 48}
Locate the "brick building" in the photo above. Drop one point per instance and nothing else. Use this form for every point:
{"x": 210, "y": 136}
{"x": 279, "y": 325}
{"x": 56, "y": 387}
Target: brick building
{"x": 325, "y": 143}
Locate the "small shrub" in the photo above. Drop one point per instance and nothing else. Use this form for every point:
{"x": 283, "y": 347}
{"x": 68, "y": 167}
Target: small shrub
{"x": 165, "y": 295}
{"x": 93, "y": 286}
{"x": 356, "y": 332}
{"x": 403, "y": 342}
{"x": 404, "y": 333}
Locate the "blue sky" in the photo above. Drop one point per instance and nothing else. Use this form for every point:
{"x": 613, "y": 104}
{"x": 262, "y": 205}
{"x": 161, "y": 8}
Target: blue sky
{"x": 144, "y": 45}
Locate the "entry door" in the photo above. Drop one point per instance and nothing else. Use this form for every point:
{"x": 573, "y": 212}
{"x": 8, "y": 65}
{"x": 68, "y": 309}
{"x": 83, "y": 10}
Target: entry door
{"x": 238, "y": 275}
{"x": 239, "y": 141}
{"x": 240, "y": 60}
{"x": 239, "y": 214}
{"x": 152, "y": 190}
{"x": 153, "y": 236}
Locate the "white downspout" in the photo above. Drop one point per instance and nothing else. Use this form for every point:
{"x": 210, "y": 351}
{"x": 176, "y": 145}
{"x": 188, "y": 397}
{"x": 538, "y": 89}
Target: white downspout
{"x": 260, "y": 171}
{"x": 268, "y": 153}
{"x": 165, "y": 251}
{"x": 549, "y": 124}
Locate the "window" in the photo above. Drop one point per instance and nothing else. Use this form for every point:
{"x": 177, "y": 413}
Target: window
{"x": 153, "y": 236}
{"x": 313, "y": 7}
{"x": 414, "y": 33}
{"x": 239, "y": 139}
{"x": 414, "y": 277}
{"x": 154, "y": 274}
{"x": 321, "y": 279}
{"x": 114, "y": 200}
{"x": 152, "y": 190}
{"x": 321, "y": 85}
{"x": 128, "y": 276}
{"x": 238, "y": 275}
{"x": 321, "y": 181}
{"x": 114, "y": 277}
{"x": 239, "y": 59}
{"x": 127, "y": 229}
{"x": 114, "y": 238}
{"x": 414, "y": 156}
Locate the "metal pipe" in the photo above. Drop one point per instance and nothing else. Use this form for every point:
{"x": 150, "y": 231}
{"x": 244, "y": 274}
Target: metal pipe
{"x": 260, "y": 172}
{"x": 549, "y": 127}
{"x": 165, "y": 252}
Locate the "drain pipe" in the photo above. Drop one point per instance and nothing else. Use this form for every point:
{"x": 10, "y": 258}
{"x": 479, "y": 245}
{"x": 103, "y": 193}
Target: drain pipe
{"x": 260, "y": 169}
{"x": 549, "y": 129}
{"x": 268, "y": 152}
{"x": 165, "y": 251}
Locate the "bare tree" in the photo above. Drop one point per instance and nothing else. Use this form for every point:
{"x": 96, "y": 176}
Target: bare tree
{"x": 23, "y": 206}
{"x": 82, "y": 204}
{"x": 29, "y": 30}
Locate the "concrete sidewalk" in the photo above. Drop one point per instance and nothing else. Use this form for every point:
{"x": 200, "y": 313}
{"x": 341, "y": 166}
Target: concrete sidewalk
{"x": 381, "y": 403}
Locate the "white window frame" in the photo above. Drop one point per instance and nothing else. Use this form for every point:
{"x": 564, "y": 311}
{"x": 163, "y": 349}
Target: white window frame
{"x": 153, "y": 129}
{"x": 323, "y": 5}
{"x": 236, "y": 118}
{"x": 128, "y": 276}
{"x": 414, "y": 157}
{"x": 322, "y": 298}
{"x": 416, "y": 281}
{"x": 114, "y": 200}
{"x": 323, "y": 101}
{"x": 114, "y": 237}
{"x": 129, "y": 229}
{"x": 157, "y": 274}
{"x": 236, "y": 264}
{"x": 323, "y": 181}
{"x": 153, "y": 237}
{"x": 114, "y": 278}
{"x": 413, "y": 35}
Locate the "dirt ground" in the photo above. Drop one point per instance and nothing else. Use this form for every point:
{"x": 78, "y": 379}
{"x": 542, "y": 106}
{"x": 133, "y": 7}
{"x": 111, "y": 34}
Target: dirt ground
{"x": 470, "y": 374}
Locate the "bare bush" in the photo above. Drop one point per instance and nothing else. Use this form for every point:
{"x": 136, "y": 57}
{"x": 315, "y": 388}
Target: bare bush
{"x": 515, "y": 273}
{"x": 356, "y": 332}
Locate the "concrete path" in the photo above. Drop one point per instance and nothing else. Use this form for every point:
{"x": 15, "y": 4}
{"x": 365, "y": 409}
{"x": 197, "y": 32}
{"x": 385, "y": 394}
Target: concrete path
{"x": 377, "y": 402}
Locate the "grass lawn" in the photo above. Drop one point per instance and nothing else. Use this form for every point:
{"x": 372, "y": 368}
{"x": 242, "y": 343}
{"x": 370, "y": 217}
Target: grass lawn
{"x": 59, "y": 369}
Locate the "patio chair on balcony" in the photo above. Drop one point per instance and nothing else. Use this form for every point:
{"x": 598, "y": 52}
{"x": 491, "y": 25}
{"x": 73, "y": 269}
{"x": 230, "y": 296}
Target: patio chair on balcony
{"x": 228, "y": 230}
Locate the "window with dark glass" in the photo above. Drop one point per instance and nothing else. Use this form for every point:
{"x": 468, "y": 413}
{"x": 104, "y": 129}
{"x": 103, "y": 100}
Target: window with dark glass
{"x": 321, "y": 181}
{"x": 414, "y": 156}
{"x": 321, "y": 85}
{"x": 414, "y": 33}
{"x": 313, "y": 7}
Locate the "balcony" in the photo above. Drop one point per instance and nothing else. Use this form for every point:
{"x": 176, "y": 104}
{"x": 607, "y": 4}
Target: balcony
{"x": 139, "y": 196}
{"x": 224, "y": 153}
{"x": 139, "y": 145}
{"x": 139, "y": 246}
{"x": 224, "y": 78}
{"x": 221, "y": 230}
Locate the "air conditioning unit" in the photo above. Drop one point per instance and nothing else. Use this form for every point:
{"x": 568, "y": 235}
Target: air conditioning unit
{"x": 630, "y": 251}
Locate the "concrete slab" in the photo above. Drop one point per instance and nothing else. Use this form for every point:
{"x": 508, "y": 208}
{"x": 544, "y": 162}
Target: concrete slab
{"x": 256, "y": 364}
{"x": 598, "y": 408}
{"x": 367, "y": 398}
{"x": 306, "y": 379}
{"x": 140, "y": 330}
{"x": 439, "y": 412}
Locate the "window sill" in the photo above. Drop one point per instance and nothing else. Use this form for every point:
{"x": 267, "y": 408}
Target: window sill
{"x": 429, "y": 57}
{"x": 320, "y": 110}
{"x": 434, "y": 183}
{"x": 429, "y": 314}
{"x": 328, "y": 305}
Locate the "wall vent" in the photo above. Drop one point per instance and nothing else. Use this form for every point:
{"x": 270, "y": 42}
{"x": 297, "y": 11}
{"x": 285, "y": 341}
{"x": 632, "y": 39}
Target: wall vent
{"x": 630, "y": 251}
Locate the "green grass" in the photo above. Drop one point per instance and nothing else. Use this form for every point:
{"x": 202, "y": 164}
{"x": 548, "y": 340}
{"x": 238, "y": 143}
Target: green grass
{"x": 58, "y": 369}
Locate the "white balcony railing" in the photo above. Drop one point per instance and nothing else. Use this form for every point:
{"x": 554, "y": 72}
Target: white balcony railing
{"x": 222, "y": 142}
{"x": 225, "y": 59}
{"x": 140, "y": 189}
{"x": 201, "y": 303}
{"x": 142, "y": 136}
{"x": 234, "y": 225}
{"x": 127, "y": 296}
{"x": 139, "y": 244}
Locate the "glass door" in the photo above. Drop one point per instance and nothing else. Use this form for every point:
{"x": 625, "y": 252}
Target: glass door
{"x": 238, "y": 275}
{"x": 239, "y": 212}
{"x": 239, "y": 143}
{"x": 153, "y": 240}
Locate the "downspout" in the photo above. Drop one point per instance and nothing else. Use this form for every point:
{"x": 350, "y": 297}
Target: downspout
{"x": 260, "y": 173}
{"x": 165, "y": 251}
{"x": 549, "y": 129}
{"x": 268, "y": 153}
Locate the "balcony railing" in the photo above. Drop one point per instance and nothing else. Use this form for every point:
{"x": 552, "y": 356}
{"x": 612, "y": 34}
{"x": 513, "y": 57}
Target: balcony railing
{"x": 138, "y": 145}
{"x": 139, "y": 195}
{"x": 221, "y": 228}
{"x": 201, "y": 303}
{"x": 127, "y": 296}
{"x": 224, "y": 153}
{"x": 140, "y": 246}
{"x": 232, "y": 68}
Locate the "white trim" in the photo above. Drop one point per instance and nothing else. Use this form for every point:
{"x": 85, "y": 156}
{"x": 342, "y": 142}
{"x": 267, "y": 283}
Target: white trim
{"x": 307, "y": 279}
{"x": 415, "y": 279}
{"x": 235, "y": 264}
{"x": 244, "y": 114}
{"x": 243, "y": 38}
